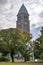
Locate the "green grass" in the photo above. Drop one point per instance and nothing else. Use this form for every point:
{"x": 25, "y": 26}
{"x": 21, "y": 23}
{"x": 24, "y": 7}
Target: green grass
{"x": 20, "y": 63}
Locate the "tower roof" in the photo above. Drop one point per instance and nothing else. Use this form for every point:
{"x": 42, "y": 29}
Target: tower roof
{"x": 23, "y": 10}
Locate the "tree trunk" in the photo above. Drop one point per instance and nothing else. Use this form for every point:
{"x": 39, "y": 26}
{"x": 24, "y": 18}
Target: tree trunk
{"x": 25, "y": 59}
{"x": 12, "y": 56}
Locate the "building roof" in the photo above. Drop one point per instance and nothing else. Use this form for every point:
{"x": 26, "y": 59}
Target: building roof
{"x": 23, "y": 10}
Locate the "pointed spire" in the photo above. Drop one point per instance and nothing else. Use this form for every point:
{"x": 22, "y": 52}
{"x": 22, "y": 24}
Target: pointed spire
{"x": 23, "y": 10}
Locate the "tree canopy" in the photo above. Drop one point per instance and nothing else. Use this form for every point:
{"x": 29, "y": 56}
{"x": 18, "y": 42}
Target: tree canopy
{"x": 11, "y": 39}
{"x": 38, "y": 45}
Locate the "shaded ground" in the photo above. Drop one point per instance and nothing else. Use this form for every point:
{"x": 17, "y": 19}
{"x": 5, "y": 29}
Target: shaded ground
{"x": 18, "y": 63}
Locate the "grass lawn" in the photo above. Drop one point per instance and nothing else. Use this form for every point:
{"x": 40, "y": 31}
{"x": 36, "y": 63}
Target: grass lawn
{"x": 20, "y": 63}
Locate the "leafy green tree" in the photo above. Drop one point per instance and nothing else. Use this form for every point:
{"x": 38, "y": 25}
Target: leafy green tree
{"x": 41, "y": 44}
{"x": 9, "y": 42}
{"x": 11, "y": 39}
{"x": 24, "y": 39}
{"x": 38, "y": 45}
{"x": 41, "y": 56}
{"x": 24, "y": 51}
{"x": 37, "y": 50}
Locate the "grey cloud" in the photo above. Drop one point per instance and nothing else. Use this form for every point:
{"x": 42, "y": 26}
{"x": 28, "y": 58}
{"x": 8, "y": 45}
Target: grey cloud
{"x": 36, "y": 32}
{"x": 33, "y": 25}
{"x": 41, "y": 14}
{"x": 33, "y": 1}
{"x": 3, "y": 1}
{"x": 10, "y": 16}
{"x": 40, "y": 23}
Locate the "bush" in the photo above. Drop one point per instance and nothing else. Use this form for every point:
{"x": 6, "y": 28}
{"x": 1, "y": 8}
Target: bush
{"x": 41, "y": 56}
{"x": 5, "y": 59}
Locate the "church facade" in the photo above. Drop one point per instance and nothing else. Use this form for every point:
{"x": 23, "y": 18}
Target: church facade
{"x": 23, "y": 22}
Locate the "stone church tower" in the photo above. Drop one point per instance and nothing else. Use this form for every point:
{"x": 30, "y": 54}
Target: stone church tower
{"x": 23, "y": 22}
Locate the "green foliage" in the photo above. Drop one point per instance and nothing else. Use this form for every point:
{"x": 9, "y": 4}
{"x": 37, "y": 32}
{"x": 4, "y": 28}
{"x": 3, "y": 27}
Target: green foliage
{"x": 41, "y": 56}
{"x": 11, "y": 40}
{"x": 4, "y": 58}
{"x": 38, "y": 46}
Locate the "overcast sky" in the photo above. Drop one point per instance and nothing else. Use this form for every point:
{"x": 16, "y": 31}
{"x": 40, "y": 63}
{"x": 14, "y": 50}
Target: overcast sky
{"x": 10, "y": 8}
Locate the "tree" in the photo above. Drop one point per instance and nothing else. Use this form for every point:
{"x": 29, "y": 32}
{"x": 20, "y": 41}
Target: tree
{"x": 37, "y": 50}
{"x": 41, "y": 56}
{"x": 11, "y": 40}
{"x": 38, "y": 45}
{"x": 25, "y": 51}
{"x": 41, "y": 44}
{"x": 24, "y": 39}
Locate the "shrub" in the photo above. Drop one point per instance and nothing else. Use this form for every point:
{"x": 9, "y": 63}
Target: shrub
{"x": 41, "y": 56}
{"x": 5, "y": 59}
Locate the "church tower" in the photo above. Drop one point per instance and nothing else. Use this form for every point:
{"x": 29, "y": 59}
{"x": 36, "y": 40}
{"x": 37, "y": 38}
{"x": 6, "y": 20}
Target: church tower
{"x": 23, "y": 22}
